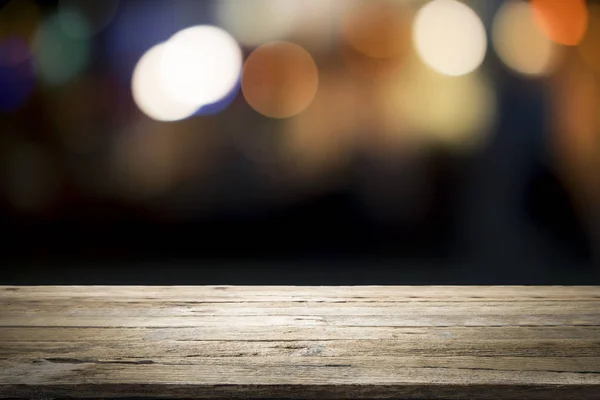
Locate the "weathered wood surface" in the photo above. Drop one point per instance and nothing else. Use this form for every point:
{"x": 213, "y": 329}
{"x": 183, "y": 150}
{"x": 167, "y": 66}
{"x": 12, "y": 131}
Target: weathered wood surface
{"x": 300, "y": 342}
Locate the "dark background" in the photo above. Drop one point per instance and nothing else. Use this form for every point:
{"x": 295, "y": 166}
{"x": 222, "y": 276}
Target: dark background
{"x": 500, "y": 215}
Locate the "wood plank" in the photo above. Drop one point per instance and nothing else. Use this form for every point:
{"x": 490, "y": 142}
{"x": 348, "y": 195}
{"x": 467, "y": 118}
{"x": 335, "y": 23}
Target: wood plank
{"x": 300, "y": 293}
{"x": 332, "y": 348}
{"x": 262, "y": 333}
{"x": 168, "y": 308}
{"x": 472, "y": 320}
{"x": 353, "y": 377}
{"x": 214, "y": 370}
{"x": 300, "y": 342}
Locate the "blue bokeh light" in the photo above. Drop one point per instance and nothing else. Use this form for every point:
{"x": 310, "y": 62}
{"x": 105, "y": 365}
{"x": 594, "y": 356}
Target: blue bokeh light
{"x": 17, "y": 74}
{"x": 221, "y": 105}
{"x": 140, "y": 25}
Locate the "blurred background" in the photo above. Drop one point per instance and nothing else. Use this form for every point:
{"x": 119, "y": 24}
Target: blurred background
{"x": 300, "y": 141}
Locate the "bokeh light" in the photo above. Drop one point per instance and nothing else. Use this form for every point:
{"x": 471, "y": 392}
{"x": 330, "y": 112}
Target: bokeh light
{"x": 378, "y": 29}
{"x": 222, "y": 104}
{"x": 449, "y": 37}
{"x": 367, "y": 67}
{"x": 144, "y": 160}
{"x": 321, "y": 139}
{"x": 575, "y": 124}
{"x": 312, "y": 22}
{"x": 564, "y": 22}
{"x": 519, "y": 43}
{"x": 589, "y": 48}
{"x": 148, "y": 157}
{"x": 139, "y": 25}
{"x": 317, "y": 23}
{"x": 457, "y": 112}
{"x": 280, "y": 79}
{"x": 98, "y": 15}
{"x": 376, "y": 38}
{"x": 150, "y": 91}
{"x": 17, "y": 76}
{"x": 201, "y": 65}
{"x": 256, "y": 22}
{"x": 575, "y": 117}
{"x": 61, "y": 57}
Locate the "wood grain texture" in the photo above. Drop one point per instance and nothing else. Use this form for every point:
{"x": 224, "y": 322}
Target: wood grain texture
{"x": 300, "y": 342}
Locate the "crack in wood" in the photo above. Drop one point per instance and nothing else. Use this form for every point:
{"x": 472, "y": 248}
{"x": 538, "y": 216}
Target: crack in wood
{"x": 59, "y": 360}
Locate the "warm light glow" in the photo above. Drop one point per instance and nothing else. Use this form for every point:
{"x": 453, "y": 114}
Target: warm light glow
{"x": 449, "y": 37}
{"x": 575, "y": 123}
{"x": 519, "y": 43}
{"x": 146, "y": 158}
{"x": 563, "y": 21}
{"x": 577, "y": 102}
{"x": 589, "y": 48}
{"x": 322, "y": 138}
{"x": 201, "y": 64}
{"x": 455, "y": 111}
{"x": 376, "y": 39}
{"x": 280, "y": 79}
{"x": 368, "y": 67}
{"x": 378, "y": 30}
{"x": 256, "y": 22}
{"x": 149, "y": 158}
{"x": 150, "y": 91}
{"x": 317, "y": 21}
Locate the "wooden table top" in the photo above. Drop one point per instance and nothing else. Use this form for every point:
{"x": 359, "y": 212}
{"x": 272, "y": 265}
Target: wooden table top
{"x": 361, "y": 342}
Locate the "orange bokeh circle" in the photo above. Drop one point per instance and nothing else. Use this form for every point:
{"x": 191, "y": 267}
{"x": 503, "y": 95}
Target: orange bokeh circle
{"x": 280, "y": 79}
{"x": 378, "y": 30}
{"x": 562, "y": 21}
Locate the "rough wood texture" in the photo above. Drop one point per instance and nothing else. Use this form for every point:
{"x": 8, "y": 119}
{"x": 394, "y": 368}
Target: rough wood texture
{"x": 300, "y": 342}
